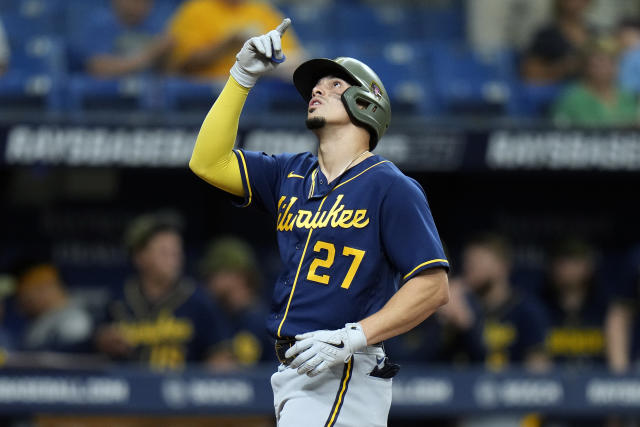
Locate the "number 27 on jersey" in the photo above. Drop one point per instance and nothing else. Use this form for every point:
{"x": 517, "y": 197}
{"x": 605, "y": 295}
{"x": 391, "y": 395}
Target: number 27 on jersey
{"x": 327, "y": 262}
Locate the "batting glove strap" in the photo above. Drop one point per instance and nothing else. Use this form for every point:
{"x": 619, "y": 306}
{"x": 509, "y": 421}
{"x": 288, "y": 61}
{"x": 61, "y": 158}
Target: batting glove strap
{"x": 259, "y": 55}
{"x": 318, "y": 351}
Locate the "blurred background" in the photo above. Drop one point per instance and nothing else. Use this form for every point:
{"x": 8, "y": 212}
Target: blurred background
{"x": 134, "y": 294}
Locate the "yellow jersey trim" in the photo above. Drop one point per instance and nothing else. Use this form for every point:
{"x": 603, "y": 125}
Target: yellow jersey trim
{"x": 293, "y": 175}
{"x": 295, "y": 280}
{"x": 350, "y": 179}
{"x": 313, "y": 183}
{"x": 423, "y": 264}
{"x": 246, "y": 175}
{"x": 343, "y": 388}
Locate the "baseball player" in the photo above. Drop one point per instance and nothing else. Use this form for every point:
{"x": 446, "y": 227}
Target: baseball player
{"x": 351, "y": 228}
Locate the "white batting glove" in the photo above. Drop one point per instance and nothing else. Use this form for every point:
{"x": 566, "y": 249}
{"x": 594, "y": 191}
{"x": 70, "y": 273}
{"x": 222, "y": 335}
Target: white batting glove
{"x": 259, "y": 55}
{"x": 319, "y": 350}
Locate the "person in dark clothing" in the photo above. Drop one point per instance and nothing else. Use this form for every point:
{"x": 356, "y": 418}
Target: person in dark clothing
{"x": 575, "y": 305}
{"x": 160, "y": 318}
{"x": 233, "y": 281}
{"x": 515, "y": 324}
{"x": 554, "y": 54}
{"x": 453, "y": 335}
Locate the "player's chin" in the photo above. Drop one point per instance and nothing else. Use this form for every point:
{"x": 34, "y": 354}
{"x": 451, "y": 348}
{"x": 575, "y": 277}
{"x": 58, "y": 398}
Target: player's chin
{"x": 315, "y": 122}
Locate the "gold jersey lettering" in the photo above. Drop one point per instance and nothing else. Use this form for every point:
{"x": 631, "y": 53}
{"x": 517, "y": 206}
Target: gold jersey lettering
{"x": 576, "y": 341}
{"x": 285, "y": 217}
{"x": 344, "y": 218}
{"x": 360, "y": 220}
{"x": 303, "y": 219}
{"x": 337, "y": 216}
{"x": 164, "y": 329}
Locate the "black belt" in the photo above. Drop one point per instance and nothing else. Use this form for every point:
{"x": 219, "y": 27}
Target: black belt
{"x": 282, "y": 345}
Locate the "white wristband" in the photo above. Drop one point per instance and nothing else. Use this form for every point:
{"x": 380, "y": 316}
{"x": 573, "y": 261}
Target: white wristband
{"x": 245, "y": 79}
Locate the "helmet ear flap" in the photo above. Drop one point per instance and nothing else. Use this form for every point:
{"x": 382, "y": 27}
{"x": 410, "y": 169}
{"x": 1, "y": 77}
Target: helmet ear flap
{"x": 361, "y": 108}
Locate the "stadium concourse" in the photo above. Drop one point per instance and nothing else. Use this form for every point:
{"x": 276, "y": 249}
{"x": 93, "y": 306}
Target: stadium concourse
{"x": 518, "y": 118}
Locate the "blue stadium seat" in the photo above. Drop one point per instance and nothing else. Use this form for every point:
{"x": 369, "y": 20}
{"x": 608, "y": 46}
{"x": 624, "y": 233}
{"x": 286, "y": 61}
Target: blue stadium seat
{"x": 23, "y": 19}
{"x": 311, "y": 21}
{"x": 533, "y": 100}
{"x": 468, "y": 82}
{"x": 36, "y": 74}
{"x": 192, "y": 95}
{"x": 276, "y": 95}
{"x": 439, "y": 23}
{"x": 182, "y": 94}
{"x": 28, "y": 91}
{"x": 78, "y": 12}
{"x": 374, "y": 24}
{"x": 404, "y": 71}
{"x": 89, "y": 93}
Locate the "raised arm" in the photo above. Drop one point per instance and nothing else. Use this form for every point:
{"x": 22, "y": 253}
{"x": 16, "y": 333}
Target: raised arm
{"x": 213, "y": 159}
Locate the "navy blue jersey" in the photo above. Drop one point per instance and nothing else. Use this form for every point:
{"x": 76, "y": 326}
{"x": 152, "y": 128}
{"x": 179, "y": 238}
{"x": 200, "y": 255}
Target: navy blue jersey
{"x": 347, "y": 245}
{"x": 250, "y": 341}
{"x": 577, "y": 337}
{"x": 514, "y": 330}
{"x": 183, "y": 327}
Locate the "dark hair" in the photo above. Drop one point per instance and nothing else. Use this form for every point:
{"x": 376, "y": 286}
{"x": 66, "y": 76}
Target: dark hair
{"x": 571, "y": 247}
{"x": 631, "y": 23}
{"x": 143, "y": 228}
{"x": 494, "y": 242}
{"x": 229, "y": 253}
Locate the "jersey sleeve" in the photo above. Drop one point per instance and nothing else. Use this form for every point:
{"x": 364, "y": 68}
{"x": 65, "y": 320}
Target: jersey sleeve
{"x": 409, "y": 235}
{"x": 261, "y": 178}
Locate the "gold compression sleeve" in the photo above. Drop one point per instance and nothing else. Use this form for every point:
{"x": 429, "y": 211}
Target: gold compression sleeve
{"x": 213, "y": 159}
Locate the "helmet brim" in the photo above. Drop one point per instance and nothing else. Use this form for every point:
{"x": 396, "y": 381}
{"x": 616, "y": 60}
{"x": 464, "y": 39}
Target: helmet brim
{"x": 308, "y": 73}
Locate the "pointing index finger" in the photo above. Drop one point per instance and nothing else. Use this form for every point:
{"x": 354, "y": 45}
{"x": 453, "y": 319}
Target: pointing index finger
{"x": 283, "y": 26}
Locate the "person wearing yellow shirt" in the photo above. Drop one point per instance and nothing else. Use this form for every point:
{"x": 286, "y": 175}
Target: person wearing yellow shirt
{"x": 207, "y": 35}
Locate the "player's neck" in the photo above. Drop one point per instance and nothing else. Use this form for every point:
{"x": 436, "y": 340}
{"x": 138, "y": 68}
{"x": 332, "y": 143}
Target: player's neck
{"x": 340, "y": 149}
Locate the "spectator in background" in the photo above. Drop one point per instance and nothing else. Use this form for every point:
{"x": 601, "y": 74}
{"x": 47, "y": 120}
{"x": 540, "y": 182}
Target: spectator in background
{"x": 629, "y": 69}
{"x": 6, "y": 341}
{"x": 515, "y": 326}
{"x": 453, "y": 335}
{"x": 209, "y": 33}
{"x": 553, "y": 56}
{"x": 605, "y": 15}
{"x": 233, "y": 280}
{"x": 125, "y": 39}
{"x": 54, "y": 321}
{"x": 495, "y": 25}
{"x": 4, "y": 50}
{"x": 622, "y": 331}
{"x": 160, "y": 318}
{"x": 596, "y": 100}
{"x": 576, "y": 306}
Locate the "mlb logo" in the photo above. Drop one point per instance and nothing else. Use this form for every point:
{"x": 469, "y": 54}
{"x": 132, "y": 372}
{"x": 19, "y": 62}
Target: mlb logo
{"x": 377, "y": 92}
